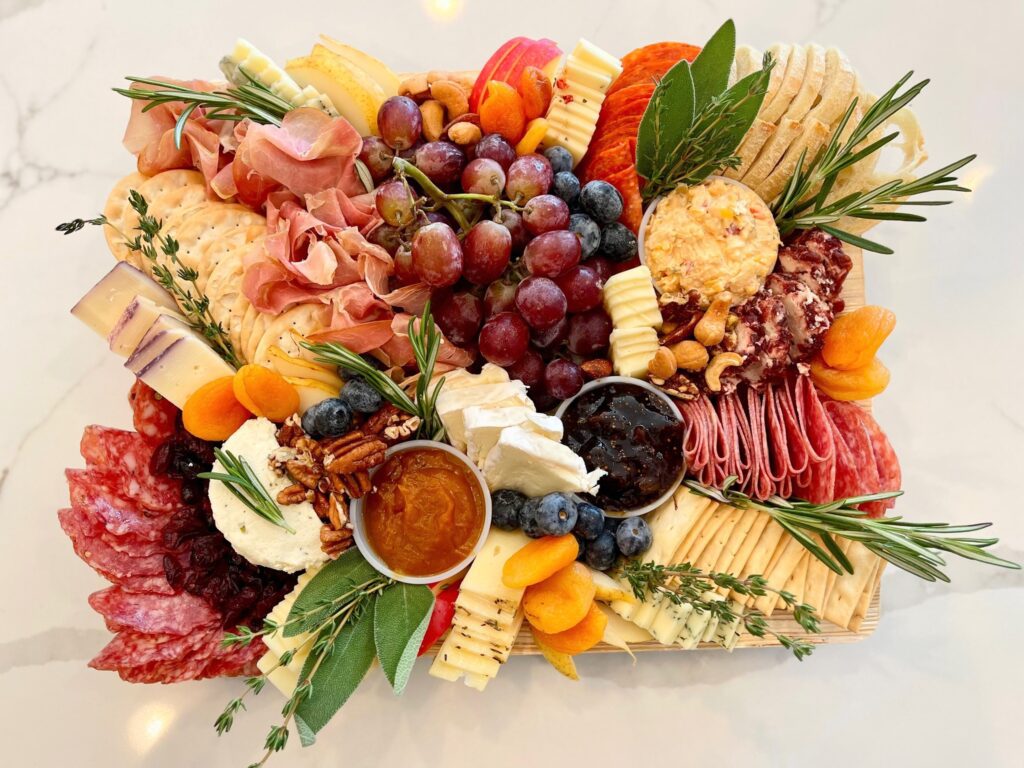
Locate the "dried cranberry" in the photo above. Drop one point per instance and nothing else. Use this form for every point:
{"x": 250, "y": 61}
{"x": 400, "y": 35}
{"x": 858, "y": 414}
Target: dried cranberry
{"x": 174, "y": 573}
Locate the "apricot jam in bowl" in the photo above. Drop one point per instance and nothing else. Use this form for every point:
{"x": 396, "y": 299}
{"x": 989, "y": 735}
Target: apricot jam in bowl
{"x": 426, "y": 515}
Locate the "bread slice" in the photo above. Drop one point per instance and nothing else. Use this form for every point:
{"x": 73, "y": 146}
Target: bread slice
{"x": 757, "y": 136}
{"x": 772, "y": 153}
{"x": 837, "y": 90}
{"x": 810, "y": 88}
{"x": 793, "y": 77}
{"x": 810, "y": 141}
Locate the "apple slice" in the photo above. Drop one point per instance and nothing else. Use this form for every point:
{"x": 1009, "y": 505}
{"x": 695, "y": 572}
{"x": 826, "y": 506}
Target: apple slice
{"x": 375, "y": 68}
{"x": 537, "y": 53}
{"x": 352, "y": 92}
{"x": 486, "y": 71}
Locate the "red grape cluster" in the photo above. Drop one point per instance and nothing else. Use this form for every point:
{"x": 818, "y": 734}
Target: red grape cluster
{"x": 500, "y": 238}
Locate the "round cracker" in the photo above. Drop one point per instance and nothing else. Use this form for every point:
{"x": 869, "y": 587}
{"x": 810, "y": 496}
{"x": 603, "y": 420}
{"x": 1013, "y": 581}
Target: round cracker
{"x": 239, "y": 239}
{"x": 241, "y": 306}
{"x": 288, "y": 329}
{"x": 222, "y": 290}
{"x": 200, "y": 228}
{"x": 152, "y": 189}
{"x": 256, "y": 327}
{"x": 171, "y": 206}
{"x": 113, "y": 211}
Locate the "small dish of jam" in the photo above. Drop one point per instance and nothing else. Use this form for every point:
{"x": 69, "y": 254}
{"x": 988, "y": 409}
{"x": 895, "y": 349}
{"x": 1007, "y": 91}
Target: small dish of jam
{"x": 426, "y": 515}
{"x": 633, "y": 432}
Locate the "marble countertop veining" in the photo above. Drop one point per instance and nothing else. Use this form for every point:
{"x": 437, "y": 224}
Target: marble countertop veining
{"x": 938, "y": 684}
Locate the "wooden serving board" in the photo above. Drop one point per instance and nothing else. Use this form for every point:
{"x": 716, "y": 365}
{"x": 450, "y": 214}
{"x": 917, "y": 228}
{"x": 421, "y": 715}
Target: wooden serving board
{"x": 854, "y": 296}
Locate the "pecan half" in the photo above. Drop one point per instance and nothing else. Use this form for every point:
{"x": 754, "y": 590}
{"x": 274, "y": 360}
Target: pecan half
{"x": 305, "y": 472}
{"x": 359, "y": 456}
{"x": 334, "y": 541}
{"x": 677, "y": 386}
{"x": 293, "y": 494}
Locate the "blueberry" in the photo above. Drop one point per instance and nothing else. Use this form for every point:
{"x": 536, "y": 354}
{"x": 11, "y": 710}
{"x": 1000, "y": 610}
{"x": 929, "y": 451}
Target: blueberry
{"x": 560, "y": 159}
{"x": 349, "y": 373}
{"x": 505, "y": 506}
{"x": 566, "y": 186}
{"x": 328, "y": 418}
{"x": 612, "y": 523}
{"x": 528, "y": 519}
{"x": 588, "y": 231}
{"x": 602, "y": 201}
{"x": 618, "y": 243}
{"x": 589, "y": 521}
{"x": 556, "y": 514}
{"x": 582, "y": 544}
{"x": 634, "y": 536}
{"x": 602, "y": 551}
{"x": 361, "y": 397}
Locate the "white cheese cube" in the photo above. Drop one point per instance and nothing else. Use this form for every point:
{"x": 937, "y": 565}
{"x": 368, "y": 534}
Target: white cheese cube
{"x": 536, "y": 465}
{"x": 105, "y": 303}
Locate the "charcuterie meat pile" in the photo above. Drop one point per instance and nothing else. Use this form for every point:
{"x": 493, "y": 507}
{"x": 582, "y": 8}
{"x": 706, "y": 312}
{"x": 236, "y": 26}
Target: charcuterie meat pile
{"x": 786, "y": 441}
{"x": 175, "y": 582}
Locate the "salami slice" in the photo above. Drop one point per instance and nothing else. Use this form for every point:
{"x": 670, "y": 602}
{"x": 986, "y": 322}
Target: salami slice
{"x": 880, "y": 467}
{"x": 128, "y": 455}
{"x": 94, "y": 494}
{"x": 178, "y": 614}
{"x": 155, "y": 417}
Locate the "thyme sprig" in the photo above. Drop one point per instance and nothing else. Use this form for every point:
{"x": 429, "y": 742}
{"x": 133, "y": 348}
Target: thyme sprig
{"x": 914, "y": 547}
{"x": 683, "y": 584}
{"x": 426, "y": 340}
{"x": 176, "y": 278}
{"x": 238, "y": 477}
{"x": 804, "y": 204}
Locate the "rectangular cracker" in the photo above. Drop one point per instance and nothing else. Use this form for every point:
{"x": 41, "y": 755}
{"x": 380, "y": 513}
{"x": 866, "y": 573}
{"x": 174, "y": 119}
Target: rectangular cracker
{"x": 848, "y": 588}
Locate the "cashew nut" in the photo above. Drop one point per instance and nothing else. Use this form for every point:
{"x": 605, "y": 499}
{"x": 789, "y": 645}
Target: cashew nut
{"x": 721, "y": 361}
{"x": 711, "y": 328}
{"x": 690, "y": 355}
{"x": 452, "y": 96}
{"x": 433, "y": 119}
{"x": 414, "y": 86}
{"x": 662, "y": 365}
{"x": 465, "y": 78}
{"x": 465, "y": 133}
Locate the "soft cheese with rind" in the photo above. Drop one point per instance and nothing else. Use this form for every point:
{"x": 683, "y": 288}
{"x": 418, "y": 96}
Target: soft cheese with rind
{"x": 535, "y": 465}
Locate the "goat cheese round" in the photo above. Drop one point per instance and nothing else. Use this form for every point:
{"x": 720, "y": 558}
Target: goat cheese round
{"x": 257, "y": 540}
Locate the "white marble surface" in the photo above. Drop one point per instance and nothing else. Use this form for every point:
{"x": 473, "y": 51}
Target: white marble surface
{"x": 940, "y": 682}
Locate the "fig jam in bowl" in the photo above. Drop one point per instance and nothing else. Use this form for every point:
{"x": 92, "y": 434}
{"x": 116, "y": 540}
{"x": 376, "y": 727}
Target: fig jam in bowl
{"x": 634, "y": 432}
{"x": 426, "y": 515}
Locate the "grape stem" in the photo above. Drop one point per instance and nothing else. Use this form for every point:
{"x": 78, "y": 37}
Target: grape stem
{"x": 404, "y": 168}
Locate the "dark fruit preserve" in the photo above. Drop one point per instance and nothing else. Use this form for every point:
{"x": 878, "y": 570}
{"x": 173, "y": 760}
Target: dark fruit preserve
{"x": 633, "y": 435}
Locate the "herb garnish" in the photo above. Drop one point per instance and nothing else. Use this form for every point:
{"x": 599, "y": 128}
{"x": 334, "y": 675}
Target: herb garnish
{"x": 683, "y": 584}
{"x": 177, "y": 279}
{"x": 352, "y": 615}
{"x": 804, "y": 202}
{"x": 245, "y": 486}
{"x": 914, "y": 547}
{"x": 425, "y": 339}
{"x": 694, "y": 122}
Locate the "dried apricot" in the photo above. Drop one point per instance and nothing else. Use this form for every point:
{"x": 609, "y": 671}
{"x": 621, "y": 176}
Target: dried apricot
{"x": 859, "y": 384}
{"x": 265, "y": 392}
{"x": 535, "y": 89}
{"x": 579, "y": 637}
{"x": 536, "y": 130}
{"x": 501, "y": 111}
{"x": 561, "y": 600}
{"x": 213, "y": 412}
{"x": 539, "y": 559}
{"x": 855, "y": 337}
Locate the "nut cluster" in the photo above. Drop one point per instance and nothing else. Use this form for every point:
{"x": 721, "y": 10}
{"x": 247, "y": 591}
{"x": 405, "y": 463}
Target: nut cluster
{"x": 330, "y": 472}
{"x": 444, "y": 105}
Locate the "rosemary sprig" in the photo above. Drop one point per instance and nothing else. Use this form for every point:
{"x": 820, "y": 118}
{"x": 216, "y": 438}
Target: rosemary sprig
{"x": 683, "y": 584}
{"x": 239, "y": 478}
{"x": 425, "y": 339}
{"x": 803, "y": 203}
{"x": 177, "y": 279}
{"x": 914, "y": 547}
{"x": 253, "y": 101}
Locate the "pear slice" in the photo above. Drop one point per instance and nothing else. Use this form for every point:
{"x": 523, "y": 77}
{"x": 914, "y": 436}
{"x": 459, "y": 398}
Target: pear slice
{"x": 311, "y": 392}
{"x": 356, "y": 97}
{"x": 379, "y": 71}
{"x": 300, "y": 368}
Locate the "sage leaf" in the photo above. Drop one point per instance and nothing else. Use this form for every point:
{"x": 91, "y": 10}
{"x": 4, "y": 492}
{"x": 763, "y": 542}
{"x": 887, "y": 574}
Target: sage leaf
{"x": 667, "y": 120}
{"x": 315, "y": 602}
{"x": 713, "y": 64}
{"x": 306, "y": 736}
{"x": 344, "y": 665}
{"x": 400, "y": 619}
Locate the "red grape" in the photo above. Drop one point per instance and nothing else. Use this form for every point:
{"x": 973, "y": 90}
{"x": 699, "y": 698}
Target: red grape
{"x": 528, "y": 176}
{"x": 487, "y": 248}
{"x": 602, "y": 265}
{"x": 377, "y": 157}
{"x": 513, "y": 222}
{"x": 395, "y": 203}
{"x": 504, "y": 339}
{"x": 563, "y": 379}
{"x": 404, "y": 271}
{"x": 399, "y": 122}
{"x": 589, "y": 332}
{"x": 483, "y": 176}
{"x": 441, "y": 161}
{"x": 437, "y": 255}
{"x": 541, "y": 302}
{"x": 387, "y": 237}
{"x": 459, "y": 314}
{"x": 495, "y": 147}
{"x": 581, "y": 286}
{"x": 545, "y": 213}
{"x": 552, "y": 253}
{"x": 529, "y": 369}
{"x": 552, "y": 337}
{"x": 499, "y": 297}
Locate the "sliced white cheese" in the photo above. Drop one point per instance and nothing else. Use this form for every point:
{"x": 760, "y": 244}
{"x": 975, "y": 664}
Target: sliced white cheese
{"x": 105, "y": 303}
{"x": 260, "y": 541}
{"x": 491, "y": 387}
{"x": 632, "y": 349}
{"x": 184, "y": 366}
{"x": 483, "y": 426}
{"x": 536, "y": 465}
{"x": 286, "y": 677}
{"x": 136, "y": 320}
{"x": 485, "y": 574}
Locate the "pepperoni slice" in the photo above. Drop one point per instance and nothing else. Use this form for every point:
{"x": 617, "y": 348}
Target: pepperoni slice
{"x": 178, "y": 614}
{"x": 155, "y": 417}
